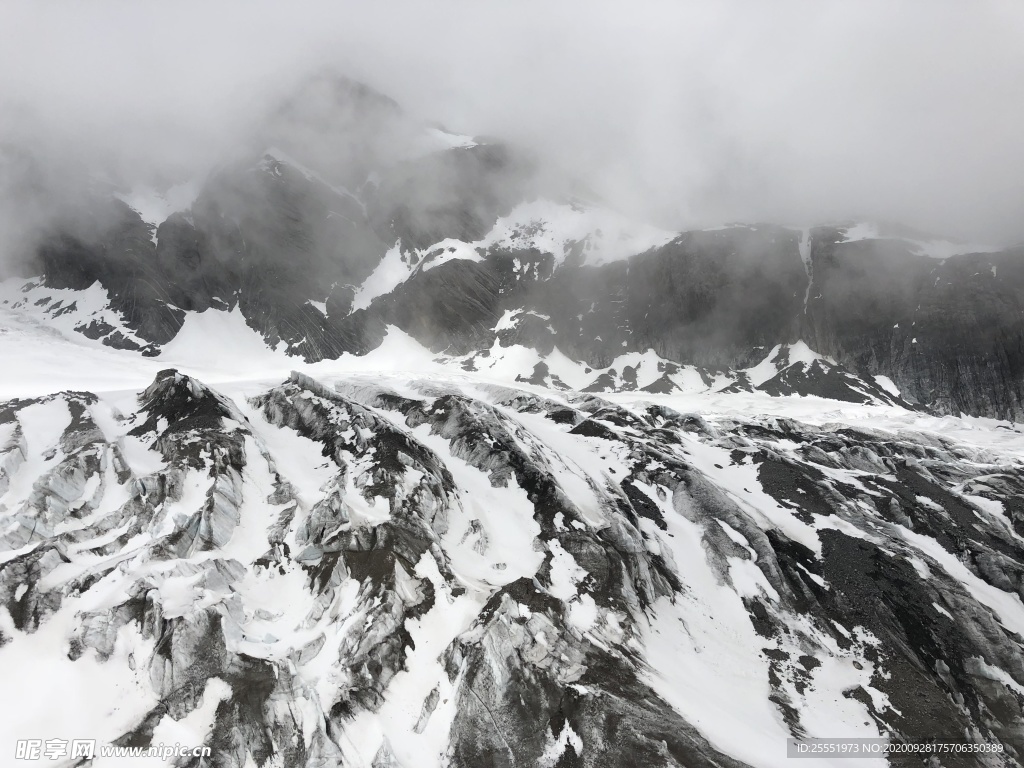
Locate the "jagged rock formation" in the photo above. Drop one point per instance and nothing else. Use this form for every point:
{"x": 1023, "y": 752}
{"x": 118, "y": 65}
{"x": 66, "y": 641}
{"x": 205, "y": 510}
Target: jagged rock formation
{"x": 381, "y": 573}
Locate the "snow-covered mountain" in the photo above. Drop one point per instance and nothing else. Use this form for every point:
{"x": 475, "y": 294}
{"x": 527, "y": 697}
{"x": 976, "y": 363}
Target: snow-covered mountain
{"x": 384, "y": 446}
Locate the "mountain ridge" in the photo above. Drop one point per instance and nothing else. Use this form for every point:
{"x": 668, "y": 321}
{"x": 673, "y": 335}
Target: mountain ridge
{"x": 389, "y": 449}
{"x": 378, "y": 566}
{"x": 443, "y": 238}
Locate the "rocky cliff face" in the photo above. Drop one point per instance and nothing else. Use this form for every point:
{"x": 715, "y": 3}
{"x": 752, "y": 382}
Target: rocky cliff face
{"x": 948, "y": 331}
{"x": 372, "y": 572}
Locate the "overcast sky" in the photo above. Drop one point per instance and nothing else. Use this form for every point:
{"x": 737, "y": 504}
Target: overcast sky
{"x": 692, "y": 113}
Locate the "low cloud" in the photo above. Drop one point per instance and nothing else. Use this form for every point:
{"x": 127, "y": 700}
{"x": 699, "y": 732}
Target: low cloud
{"x": 689, "y": 114}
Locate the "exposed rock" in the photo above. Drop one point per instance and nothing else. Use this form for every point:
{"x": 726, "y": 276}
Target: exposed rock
{"x": 451, "y": 577}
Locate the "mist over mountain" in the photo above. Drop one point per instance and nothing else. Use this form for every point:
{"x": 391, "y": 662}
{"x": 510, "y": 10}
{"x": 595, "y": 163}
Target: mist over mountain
{"x": 456, "y": 385}
{"x": 686, "y": 114}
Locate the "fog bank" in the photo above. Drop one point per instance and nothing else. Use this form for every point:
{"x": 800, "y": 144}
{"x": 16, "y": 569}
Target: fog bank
{"x": 689, "y": 114}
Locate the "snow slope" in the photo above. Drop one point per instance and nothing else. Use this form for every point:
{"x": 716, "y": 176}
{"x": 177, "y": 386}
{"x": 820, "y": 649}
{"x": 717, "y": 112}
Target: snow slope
{"x": 500, "y": 506}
